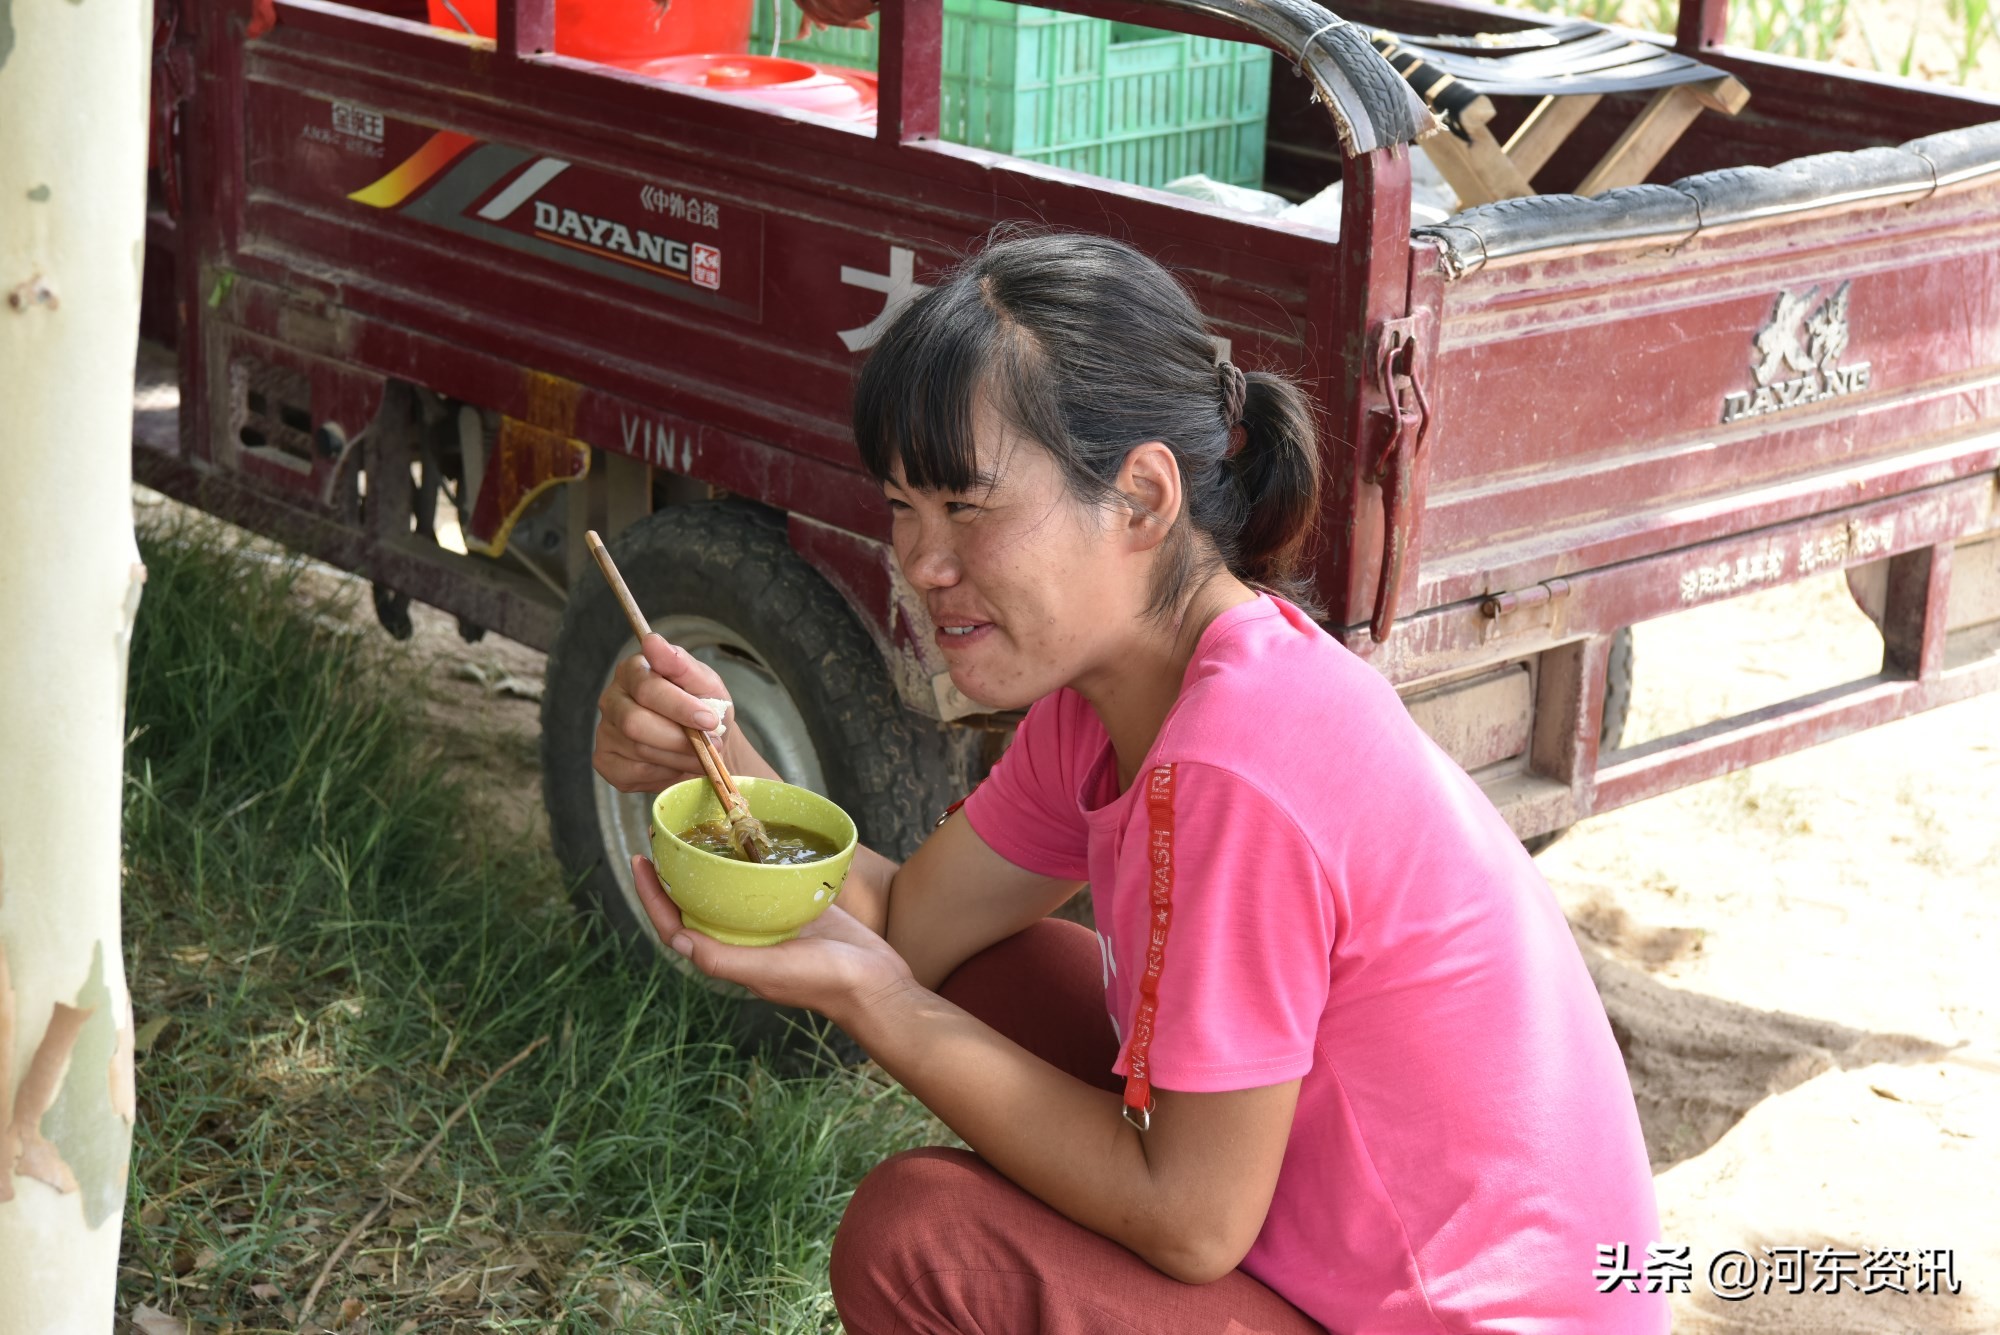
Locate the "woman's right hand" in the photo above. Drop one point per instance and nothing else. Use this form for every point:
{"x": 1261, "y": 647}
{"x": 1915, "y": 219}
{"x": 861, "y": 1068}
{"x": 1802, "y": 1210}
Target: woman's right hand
{"x": 655, "y": 694}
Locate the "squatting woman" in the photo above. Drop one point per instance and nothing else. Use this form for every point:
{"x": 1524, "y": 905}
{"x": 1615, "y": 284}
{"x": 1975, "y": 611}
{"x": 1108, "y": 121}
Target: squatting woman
{"x": 1332, "y": 1060}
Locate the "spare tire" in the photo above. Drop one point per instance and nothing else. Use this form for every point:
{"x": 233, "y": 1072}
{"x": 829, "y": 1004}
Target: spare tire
{"x": 811, "y": 691}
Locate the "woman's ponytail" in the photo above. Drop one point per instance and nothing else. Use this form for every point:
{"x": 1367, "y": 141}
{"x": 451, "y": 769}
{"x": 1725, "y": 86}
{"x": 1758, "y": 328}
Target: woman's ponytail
{"x": 1276, "y": 473}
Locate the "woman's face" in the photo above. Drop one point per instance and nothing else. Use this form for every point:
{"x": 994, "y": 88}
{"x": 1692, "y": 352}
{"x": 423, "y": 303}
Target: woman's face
{"x": 1030, "y": 589}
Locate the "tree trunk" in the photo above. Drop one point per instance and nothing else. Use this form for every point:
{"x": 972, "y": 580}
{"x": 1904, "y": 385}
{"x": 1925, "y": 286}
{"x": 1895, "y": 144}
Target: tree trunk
{"x": 73, "y": 96}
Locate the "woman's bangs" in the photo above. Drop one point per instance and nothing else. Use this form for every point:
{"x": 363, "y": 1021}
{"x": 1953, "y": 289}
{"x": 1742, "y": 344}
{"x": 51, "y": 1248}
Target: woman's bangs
{"x": 913, "y": 405}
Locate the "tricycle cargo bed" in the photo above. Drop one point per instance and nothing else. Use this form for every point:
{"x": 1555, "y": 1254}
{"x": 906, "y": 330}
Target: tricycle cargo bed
{"x": 1665, "y": 364}
{"x": 1668, "y": 395}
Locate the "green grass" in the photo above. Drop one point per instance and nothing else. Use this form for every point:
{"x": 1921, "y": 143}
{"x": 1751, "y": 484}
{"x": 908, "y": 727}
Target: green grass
{"x": 327, "y": 955}
{"x": 1884, "y": 37}
{"x": 1807, "y": 29}
{"x": 1976, "y": 21}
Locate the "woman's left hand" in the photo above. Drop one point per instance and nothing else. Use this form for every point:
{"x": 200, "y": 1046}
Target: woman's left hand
{"x": 835, "y": 965}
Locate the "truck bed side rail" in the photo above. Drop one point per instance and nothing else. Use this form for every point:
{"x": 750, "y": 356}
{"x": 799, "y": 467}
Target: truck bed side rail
{"x": 1540, "y": 225}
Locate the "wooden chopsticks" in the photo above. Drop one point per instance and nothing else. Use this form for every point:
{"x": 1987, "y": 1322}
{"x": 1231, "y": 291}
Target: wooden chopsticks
{"x": 731, "y": 797}
{"x": 717, "y": 772}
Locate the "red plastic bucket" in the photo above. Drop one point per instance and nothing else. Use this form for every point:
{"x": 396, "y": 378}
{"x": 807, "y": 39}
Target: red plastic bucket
{"x": 843, "y": 94}
{"x": 621, "y": 31}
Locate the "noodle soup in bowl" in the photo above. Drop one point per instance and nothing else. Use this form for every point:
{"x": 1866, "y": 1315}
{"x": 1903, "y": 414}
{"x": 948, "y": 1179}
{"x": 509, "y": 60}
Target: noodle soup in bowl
{"x": 748, "y": 903}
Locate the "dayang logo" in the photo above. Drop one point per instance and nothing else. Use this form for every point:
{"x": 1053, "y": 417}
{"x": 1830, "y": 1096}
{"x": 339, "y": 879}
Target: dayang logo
{"x": 574, "y": 216}
{"x": 1797, "y": 359}
{"x": 699, "y": 264}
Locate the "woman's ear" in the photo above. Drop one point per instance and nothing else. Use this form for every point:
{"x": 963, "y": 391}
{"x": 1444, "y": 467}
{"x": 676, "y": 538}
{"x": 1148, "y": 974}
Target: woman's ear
{"x": 1150, "y": 481}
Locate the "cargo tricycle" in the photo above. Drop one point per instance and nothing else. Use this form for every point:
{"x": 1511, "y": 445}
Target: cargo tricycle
{"x": 441, "y": 301}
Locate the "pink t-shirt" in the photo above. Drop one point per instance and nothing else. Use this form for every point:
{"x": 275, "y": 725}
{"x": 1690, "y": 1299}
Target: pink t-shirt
{"x": 1350, "y": 911}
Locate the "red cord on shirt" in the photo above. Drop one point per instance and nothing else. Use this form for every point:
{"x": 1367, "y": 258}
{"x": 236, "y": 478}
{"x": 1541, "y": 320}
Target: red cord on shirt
{"x": 1160, "y": 911}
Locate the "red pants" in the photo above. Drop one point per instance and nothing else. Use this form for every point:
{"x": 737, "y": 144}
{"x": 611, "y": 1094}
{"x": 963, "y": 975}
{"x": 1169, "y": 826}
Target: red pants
{"x": 936, "y": 1242}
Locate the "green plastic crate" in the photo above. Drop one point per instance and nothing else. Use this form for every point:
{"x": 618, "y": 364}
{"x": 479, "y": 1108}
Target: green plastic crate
{"x": 1134, "y": 104}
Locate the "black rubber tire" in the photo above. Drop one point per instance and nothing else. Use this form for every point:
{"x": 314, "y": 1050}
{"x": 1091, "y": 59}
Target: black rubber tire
{"x": 1617, "y": 690}
{"x": 890, "y": 768}
{"x": 1617, "y": 704}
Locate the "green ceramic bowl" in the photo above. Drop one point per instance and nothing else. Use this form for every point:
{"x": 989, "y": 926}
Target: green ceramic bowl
{"x": 744, "y": 903}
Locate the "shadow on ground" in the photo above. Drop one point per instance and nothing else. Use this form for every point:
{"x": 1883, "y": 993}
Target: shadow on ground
{"x": 1698, "y": 1063}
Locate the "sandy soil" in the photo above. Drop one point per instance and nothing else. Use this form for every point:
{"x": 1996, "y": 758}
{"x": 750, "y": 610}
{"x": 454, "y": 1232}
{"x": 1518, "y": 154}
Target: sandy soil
{"x": 485, "y": 702}
{"x": 1800, "y": 962}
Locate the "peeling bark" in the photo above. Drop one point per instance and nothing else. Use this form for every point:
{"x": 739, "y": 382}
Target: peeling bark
{"x": 93, "y": 1141}
{"x": 37, "y": 1158}
{"x": 36, "y": 291}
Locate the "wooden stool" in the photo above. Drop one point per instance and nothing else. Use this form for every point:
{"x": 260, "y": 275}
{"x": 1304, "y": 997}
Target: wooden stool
{"x": 1570, "y": 66}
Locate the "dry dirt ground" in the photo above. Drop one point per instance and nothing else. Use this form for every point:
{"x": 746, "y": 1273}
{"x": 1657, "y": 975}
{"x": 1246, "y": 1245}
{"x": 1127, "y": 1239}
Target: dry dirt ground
{"x": 1799, "y": 959}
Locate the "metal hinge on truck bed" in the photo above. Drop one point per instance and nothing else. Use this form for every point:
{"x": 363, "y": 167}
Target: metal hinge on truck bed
{"x": 1401, "y": 424}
